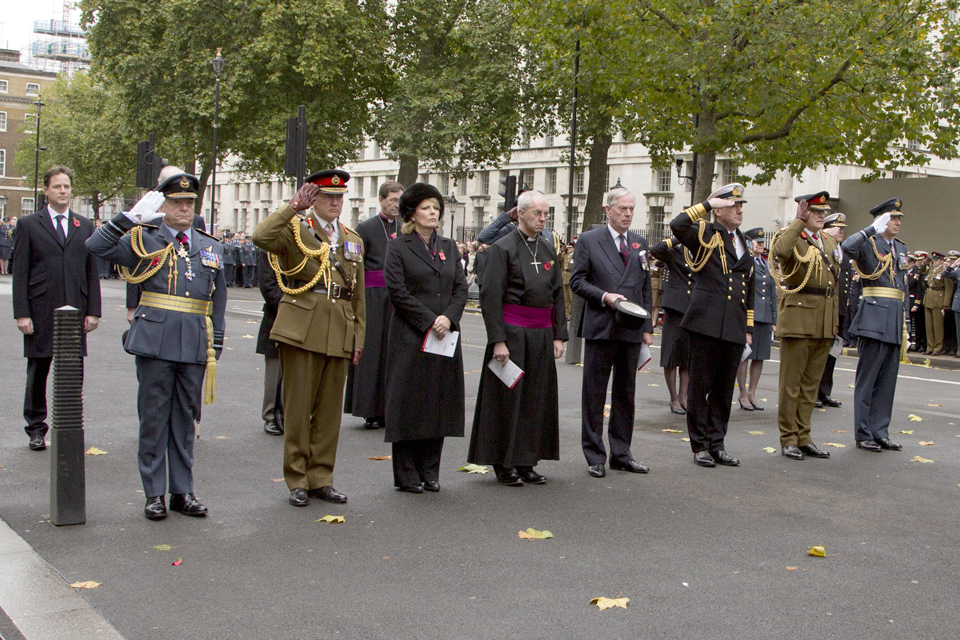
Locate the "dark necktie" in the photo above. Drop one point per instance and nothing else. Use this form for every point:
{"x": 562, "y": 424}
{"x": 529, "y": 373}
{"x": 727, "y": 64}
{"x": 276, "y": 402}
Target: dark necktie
{"x": 623, "y": 249}
{"x": 182, "y": 239}
{"x": 60, "y": 232}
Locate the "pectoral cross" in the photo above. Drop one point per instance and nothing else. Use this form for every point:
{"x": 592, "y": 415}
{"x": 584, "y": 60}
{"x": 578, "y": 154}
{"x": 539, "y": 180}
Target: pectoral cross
{"x": 536, "y": 264}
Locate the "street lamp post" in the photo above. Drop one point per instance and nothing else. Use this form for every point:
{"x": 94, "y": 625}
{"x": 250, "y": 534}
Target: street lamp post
{"x": 36, "y": 169}
{"x": 453, "y": 202}
{"x": 218, "y": 64}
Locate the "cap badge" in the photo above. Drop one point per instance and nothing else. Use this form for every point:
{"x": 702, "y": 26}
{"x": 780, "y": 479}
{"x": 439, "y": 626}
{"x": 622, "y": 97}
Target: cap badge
{"x": 184, "y": 183}
{"x": 760, "y": 233}
{"x": 335, "y": 180}
{"x": 821, "y": 199}
{"x": 897, "y": 203}
{"x": 737, "y": 192}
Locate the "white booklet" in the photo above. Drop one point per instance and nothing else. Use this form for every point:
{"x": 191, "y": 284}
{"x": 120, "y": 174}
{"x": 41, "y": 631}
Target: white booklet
{"x": 508, "y": 372}
{"x": 837, "y": 347}
{"x": 645, "y": 356}
{"x": 445, "y": 346}
{"x": 746, "y": 352}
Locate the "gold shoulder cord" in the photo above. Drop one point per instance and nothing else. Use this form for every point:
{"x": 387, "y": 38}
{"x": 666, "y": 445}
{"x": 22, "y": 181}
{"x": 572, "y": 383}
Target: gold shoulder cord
{"x": 157, "y": 259}
{"x": 705, "y": 251}
{"x": 884, "y": 263}
{"x": 811, "y": 259}
{"x": 322, "y": 254}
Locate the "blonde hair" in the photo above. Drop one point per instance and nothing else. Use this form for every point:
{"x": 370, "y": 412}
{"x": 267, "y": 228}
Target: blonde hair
{"x": 408, "y": 227}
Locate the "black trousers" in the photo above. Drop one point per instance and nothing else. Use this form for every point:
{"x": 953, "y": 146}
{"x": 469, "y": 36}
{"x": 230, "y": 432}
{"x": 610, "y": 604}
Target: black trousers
{"x": 35, "y": 396}
{"x": 713, "y": 373}
{"x": 826, "y": 380}
{"x": 599, "y": 358}
{"x": 416, "y": 461}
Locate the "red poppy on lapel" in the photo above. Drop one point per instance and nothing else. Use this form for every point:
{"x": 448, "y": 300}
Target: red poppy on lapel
{"x": 155, "y": 262}
{"x": 636, "y": 245}
{"x": 442, "y": 257}
{"x": 76, "y": 222}
{"x": 393, "y": 235}
{"x": 546, "y": 265}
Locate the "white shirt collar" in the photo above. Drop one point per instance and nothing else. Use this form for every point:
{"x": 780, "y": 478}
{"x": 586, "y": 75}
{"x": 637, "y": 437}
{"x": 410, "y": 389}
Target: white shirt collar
{"x": 66, "y": 219}
{"x": 616, "y": 236}
{"x": 173, "y": 233}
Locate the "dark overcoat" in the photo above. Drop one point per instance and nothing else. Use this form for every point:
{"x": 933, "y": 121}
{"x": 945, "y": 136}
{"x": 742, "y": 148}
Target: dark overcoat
{"x": 270, "y": 290}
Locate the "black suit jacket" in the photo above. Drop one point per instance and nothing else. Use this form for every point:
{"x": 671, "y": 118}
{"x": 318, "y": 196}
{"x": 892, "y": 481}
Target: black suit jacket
{"x": 47, "y": 275}
{"x": 598, "y": 269}
{"x": 680, "y": 277}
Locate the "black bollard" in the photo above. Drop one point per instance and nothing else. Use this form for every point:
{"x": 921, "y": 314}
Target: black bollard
{"x": 574, "y": 353}
{"x": 68, "y": 496}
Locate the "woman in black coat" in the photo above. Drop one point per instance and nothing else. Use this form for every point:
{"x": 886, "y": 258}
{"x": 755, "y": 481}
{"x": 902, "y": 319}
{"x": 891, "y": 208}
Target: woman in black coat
{"x": 424, "y": 391}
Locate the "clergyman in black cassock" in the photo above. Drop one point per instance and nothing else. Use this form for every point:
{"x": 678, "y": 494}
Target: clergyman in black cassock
{"x": 523, "y": 310}
{"x": 366, "y": 381}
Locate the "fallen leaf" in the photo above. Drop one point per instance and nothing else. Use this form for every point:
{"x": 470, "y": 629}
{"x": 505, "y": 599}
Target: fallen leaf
{"x": 223, "y": 437}
{"x": 919, "y": 459}
{"x": 653, "y": 385}
{"x": 381, "y": 457}
{"x": 851, "y": 386}
{"x": 769, "y": 450}
{"x": 840, "y": 431}
{"x": 474, "y": 468}
{"x": 246, "y": 336}
{"x": 86, "y": 584}
{"x": 934, "y": 405}
{"x": 609, "y": 603}
{"x": 914, "y": 418}
{"x": 755, "y": 433}
{"x": 822, "y": 410}
{"x": 926, "y": 443}
{"x": 165, "y": 547}
{"x": 177, "y": 562}
{"x": 685, "y": 439}
{"x": 278, "y": 479}
{"x": 533, "y": 534}
{"x": 606, "y": 414}
{"x": 763, "y": 399}
{"x": 835, "y": 444}
{"x": 909, "y": 433}
{"x": 671, "y": 431}
{"x": 791, "y": 568}
{"x": 332, "y": 519}
{"x": 93, "y": 451}
{"x": 819, "y": 551}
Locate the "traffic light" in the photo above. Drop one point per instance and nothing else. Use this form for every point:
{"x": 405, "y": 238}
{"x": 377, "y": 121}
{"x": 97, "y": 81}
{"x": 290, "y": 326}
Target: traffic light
{"x": 148, "y": 163}
{"x": 508, "y": 192}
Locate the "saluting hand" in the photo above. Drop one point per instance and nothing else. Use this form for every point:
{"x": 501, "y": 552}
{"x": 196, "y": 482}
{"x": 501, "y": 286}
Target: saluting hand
{"x": 720, "y": 203}
{"x": 304, "y": 197}
{"x": 146, "y": 209}
{"x": 803, "y": 210}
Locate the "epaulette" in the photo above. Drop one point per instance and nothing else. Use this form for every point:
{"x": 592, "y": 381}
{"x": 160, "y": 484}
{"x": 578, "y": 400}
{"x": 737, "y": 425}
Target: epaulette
{"x": 206, "y": 233}
{"x": 149, "y": 226}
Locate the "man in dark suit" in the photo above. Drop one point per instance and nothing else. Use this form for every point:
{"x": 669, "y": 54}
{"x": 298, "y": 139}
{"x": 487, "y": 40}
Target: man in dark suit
{"x": 720, "y": 317}
{"x": 610, "y": 264}
{"x": 51, "y": 268}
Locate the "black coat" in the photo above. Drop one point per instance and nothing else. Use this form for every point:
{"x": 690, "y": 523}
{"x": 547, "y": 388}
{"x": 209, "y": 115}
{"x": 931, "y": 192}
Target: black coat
{"x": 680, "y": 277}
{"x": 47, "y": 276}
{"x": 425, "y": 397}
{"x": 267, "y": 281}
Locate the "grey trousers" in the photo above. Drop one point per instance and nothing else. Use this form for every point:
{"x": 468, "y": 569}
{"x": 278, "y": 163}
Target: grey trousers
{"x": 271, "y": 385}
{"x": 876, "y": 384}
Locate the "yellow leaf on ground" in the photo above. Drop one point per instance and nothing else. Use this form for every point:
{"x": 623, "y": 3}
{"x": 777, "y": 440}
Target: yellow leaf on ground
{"x": 820, "y": 551}
{"x": 851, "y": 386}
{"x": 769, "y": 450}
{"x": 246, "y": 336}
{"x": 606, "y": 414}
{"x": 671, "y": 431}
{"x": 791, "y": 568}
{"x": 381, "y": 457}
{"x": 332, "y": 519}
{"x": 533, "y": 534}
{"x": 763, "y": 399}
{"x": 909, "y": 433}
{"x": 920, "y": 459}
{"x": 609, "y": 603}
{"x": 474, "y": 468}
{"x": 93, "y": 451}
{"x": 934, "y": 405}
{"x": 653, "y": 385}
{"x": 87, "y": 584}
{"x": 755, "y": 433}
{"x": 840, "y": 431}
{"x": 165, "y": 547}
{"x": 915, "y": 418}
{"x": 926, "y": 443}
{"x": 278, "y": 479}
{"x": 823, "y": 410}
{"x": 835, "y": 444}
{"x": 685, "y": 439}
{"x": 223, "y": 437}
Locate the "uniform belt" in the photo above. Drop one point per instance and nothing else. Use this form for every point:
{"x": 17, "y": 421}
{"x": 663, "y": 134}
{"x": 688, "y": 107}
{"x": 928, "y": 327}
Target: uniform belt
{"x": 883, "y": 292}
{"x": 818, "y": 291}
{"x": 200, "y": 308}
{"x": 335, "y": 290}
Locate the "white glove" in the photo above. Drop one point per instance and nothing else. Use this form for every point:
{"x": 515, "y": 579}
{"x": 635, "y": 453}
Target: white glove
{"x": 146, "y": 208}
{"x": 880, "y": 224}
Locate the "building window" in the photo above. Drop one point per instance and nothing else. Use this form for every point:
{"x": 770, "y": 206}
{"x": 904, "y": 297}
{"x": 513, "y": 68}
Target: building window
{"x": 551, "y": 218}
{"x": 362, "y": 156}
{"x": 462, "y": 186}
{"x": 730, "y": 171}
{"x": 664, "y": 180}
{"x": 485, "y": 183}
{"x": 256, "y": 194}
{"x": 527, "y": 180}
{"x": 478, "y": 213}
{"x": 525, "y": 140}
{"x": 33, "y": 89}
{"x": 375, "y": 148}
{"x": 551, "y": 183}
{"x": 606, "y": 179}
{"x": 548, "y": 141}
{"x": 372, "y": 211}
{"x": 30, "y": 123}
{"x": 3, "y": 163}
{"x": 373, "y": 187}
{"x": 268, "y": 191}
{"x": 26, "y": 206}
{"x": 444, "y": 183}
{"x": 657, "y": 218}
{"x": 236, "y": 192}
{"x": 4, "y": 86}
{"x": 578, "y": 181}
{"x": 359, "y": 190}
{"x": 3, "y": 121}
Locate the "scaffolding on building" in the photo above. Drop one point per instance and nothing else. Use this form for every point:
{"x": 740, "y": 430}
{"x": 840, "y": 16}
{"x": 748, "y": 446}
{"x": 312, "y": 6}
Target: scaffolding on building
{"x": 61, "y": 45}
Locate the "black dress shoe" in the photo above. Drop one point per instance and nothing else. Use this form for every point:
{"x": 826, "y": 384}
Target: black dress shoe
{"x": 721, "y": 457}
{"x": 270, "y": 427}
{"x": 792, "y": 451}
{"x": 818, "y": 404}
{"x": 187, "y": 504}
{"x": 815, "y": 451}
{"x": 328, "y": 494}
{"x": 869, "y": 445}
{"x": 830, "y": 402}
{"x": 298, "y": 497}
{"x": 529, "y": 476}
{"x": 431, "y": 485}
{"x": 886, "y": 444}
{"x": 155, "y": 509}
{"x": 704, "y": 459}
{"x": 37, "y": 443}
{"x": 630, "y": 465}
{"x": 411, "y": 488}
{"x": 746, "y": 407}
{"x": 507, "y": 476}
{"x": 373, "y": 423}
{"x": 597, "y": 470}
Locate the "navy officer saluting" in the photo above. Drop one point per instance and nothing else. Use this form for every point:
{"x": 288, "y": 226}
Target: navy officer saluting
{"x": 176, "y": 334}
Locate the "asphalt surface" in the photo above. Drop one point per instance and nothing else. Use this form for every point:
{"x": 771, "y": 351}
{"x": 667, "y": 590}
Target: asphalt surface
{"x": 699, "y": 552}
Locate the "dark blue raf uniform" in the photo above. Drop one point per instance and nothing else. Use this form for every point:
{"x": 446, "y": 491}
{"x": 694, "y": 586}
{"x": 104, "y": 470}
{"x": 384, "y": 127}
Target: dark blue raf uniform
{"x": 880, "y": 325}
{"x": 176, "y": 334}
{"x": 764, "y": 302}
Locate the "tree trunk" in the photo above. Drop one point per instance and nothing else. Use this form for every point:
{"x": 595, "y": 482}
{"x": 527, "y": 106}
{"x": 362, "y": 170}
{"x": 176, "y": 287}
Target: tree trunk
{"x": 409, "y": 169}
{"x": 95, "y": 203}
{"x": 706, "y": 158}
{"x": 593, "y": 210}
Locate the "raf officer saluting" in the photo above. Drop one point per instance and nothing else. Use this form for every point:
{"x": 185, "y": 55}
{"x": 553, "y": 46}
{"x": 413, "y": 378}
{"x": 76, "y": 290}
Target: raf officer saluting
{"x": 320, "y": 327}
{"x": 176, "y": 333}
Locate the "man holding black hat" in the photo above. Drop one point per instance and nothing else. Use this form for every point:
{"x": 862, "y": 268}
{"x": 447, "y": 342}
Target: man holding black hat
{"x": 719, "y": 319}
{"x": 176, "y": 333}
{"x": 320, "y": 327}
{"x": 808, "y": 263}
{"x": 880, "y": 323}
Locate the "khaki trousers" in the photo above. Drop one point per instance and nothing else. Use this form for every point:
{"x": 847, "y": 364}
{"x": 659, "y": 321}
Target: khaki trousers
{"x": 934, "y": 328}
{"x": 801, "y": 366}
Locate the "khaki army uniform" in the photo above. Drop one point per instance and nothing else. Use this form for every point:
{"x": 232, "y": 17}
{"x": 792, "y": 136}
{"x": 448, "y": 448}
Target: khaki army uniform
{"x": 806, "y": 324}
{"x": 566, "y": 261}
{"x": 935, "y": 300}
{"x": 318, "y": 330}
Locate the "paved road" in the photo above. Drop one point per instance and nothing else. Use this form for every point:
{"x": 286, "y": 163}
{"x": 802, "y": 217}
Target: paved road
{"x": 699, "y": 552}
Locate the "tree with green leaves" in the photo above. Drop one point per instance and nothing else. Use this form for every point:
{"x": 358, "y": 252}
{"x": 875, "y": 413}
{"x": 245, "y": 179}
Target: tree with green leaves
{"x": 83, "y": 126}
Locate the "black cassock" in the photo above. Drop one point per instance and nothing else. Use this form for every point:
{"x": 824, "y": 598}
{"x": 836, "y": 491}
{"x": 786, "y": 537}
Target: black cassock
{"x": 366, "y": 382}
{"x": 520, "y": 426}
